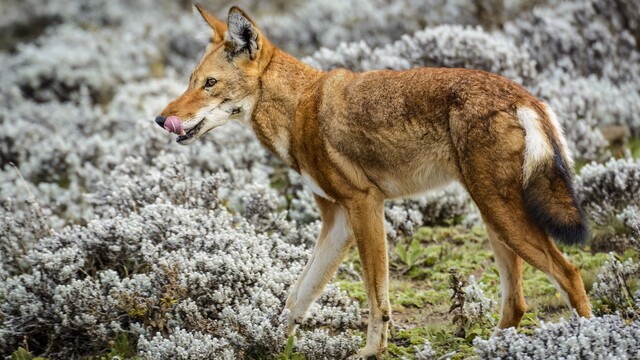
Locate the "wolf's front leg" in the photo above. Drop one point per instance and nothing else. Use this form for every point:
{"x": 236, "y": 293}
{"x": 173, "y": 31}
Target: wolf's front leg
{"x": 366, "y": 216}
{"x": 331, "y": 246}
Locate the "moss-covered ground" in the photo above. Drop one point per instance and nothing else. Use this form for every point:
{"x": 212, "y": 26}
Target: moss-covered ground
{"x": 420, "y": 294}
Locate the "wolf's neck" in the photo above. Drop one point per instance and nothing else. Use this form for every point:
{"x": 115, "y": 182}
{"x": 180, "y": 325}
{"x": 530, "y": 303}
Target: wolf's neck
{"x": 283, "y": 83}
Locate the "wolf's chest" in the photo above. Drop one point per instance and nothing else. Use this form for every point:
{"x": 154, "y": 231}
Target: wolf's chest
{"x": 314, "y": 186}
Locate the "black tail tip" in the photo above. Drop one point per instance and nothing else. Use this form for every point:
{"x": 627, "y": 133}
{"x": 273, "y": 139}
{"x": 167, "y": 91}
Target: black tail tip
{"x": 565, "y": 224}
{"x": 573, "y": 234}
{"x": 551, "y": 201}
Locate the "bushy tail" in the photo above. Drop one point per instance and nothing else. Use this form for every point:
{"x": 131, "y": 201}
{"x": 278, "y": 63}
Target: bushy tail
{"x": 549, "y": 196}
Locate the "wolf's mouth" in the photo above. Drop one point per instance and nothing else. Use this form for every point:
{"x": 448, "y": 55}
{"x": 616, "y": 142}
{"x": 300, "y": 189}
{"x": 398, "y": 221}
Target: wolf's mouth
{"x": 191, "y": 132}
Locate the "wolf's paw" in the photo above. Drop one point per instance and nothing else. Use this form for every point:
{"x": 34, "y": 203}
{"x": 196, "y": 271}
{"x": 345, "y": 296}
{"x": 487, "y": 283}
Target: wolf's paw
{"x": 290, "y": 320}
{"x": 370, "y": 353}
{"x": 293, "y": 324}
{"x": 284, "y": 316}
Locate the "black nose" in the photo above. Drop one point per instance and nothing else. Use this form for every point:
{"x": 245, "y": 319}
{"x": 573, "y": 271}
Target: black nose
{"x": 160, "y": 120}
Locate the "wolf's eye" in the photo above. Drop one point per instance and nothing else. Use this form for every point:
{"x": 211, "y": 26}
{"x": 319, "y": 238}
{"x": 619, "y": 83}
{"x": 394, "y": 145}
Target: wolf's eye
{"x": 210, "y": 82}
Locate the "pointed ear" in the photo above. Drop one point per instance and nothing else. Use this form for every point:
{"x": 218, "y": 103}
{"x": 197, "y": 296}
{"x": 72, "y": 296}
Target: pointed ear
{"x": 243, "y": 37}
{"x": 218, "y": 26}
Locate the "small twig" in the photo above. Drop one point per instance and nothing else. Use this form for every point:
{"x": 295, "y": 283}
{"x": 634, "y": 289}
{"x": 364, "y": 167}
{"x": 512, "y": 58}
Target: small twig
{"x": 447, "y": 356}
{"x": 33, "y": 198}
{"x": 458, "y": 298}
{"x": 349, "y": 270}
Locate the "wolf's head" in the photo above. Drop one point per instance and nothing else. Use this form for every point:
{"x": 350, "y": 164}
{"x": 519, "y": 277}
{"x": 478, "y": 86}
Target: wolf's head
{"x": 224, "y": 84}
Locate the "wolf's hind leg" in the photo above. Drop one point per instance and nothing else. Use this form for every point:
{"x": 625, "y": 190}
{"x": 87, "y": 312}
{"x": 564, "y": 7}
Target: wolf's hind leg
{"x": 531, "y": 243}
{"x": 332, "y": 244}
{"x": 492, "y": 171}
{"x": 510, "y": 270}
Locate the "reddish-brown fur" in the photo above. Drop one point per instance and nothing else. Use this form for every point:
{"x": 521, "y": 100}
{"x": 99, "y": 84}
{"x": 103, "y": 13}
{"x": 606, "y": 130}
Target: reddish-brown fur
{"x": 361, "y": 138}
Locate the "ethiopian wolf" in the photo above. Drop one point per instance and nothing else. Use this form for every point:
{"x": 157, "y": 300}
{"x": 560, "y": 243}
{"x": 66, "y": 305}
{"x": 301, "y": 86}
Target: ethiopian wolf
{"x": 360, "y": 138}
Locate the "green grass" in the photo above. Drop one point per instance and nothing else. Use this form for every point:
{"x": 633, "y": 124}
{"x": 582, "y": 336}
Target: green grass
{"x": 634, "y": 147}
{"x": 288, "y": 353}
{"x": 121, "y": 347}
{"x": 23, "y": 354}
{"x": 419, "y": 288}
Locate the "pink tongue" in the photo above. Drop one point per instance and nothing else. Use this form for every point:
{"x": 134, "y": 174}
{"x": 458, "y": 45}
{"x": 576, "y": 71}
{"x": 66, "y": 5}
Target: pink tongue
{"x": 174, "y": 125}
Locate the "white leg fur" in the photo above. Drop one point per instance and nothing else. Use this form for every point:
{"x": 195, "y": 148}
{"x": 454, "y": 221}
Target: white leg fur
{"x": 313, "y": 186}
{"x": 510, "y": 270}
{"x": 327, "y": 256}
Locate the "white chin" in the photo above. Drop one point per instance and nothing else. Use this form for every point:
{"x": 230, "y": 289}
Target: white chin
{"x": 186, "y": 141}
